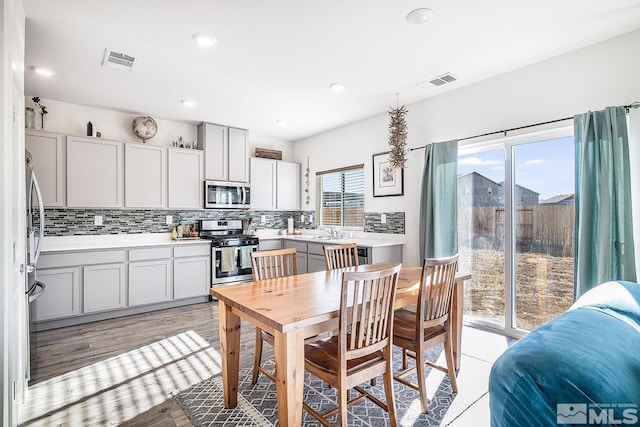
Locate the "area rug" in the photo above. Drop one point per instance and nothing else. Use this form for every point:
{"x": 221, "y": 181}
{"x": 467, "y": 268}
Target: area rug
{"x": 257, "y": 404}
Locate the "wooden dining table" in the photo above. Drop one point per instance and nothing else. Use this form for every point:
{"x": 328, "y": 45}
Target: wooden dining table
{"x": 297, "y": 307}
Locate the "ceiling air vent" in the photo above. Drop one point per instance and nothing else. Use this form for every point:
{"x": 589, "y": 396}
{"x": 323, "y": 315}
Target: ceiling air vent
{"x": 443, "y": 79}
{"x": 119, "y": 61}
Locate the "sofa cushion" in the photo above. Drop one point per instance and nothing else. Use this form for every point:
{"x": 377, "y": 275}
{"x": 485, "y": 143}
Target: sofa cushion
{"x": 588, "y": 355}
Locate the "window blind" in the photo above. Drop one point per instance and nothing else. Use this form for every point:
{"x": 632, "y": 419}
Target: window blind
{"x": 342, "y": 197}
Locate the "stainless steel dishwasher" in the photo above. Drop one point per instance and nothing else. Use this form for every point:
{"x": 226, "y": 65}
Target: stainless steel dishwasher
{"x": 363, "y": 256}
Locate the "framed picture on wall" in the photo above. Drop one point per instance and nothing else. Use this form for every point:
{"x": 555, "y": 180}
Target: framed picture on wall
{"x": 387, "y": 181}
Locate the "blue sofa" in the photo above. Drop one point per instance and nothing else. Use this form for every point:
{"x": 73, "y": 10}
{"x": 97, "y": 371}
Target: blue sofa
{"x": 582, "y": 368}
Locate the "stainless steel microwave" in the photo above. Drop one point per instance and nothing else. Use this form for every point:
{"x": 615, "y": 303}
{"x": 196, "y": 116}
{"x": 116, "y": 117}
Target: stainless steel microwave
{"x": 225, "y": 195}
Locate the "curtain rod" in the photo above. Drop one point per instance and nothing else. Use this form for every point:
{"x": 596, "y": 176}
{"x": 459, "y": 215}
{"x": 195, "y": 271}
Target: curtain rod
{"x": 626, "y": 107}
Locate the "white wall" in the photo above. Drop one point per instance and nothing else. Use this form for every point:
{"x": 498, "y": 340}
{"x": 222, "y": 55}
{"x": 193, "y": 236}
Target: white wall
{"x": 257, "y": 141}
{"x": 634, "y": 160}
{"x": 587, "y": 79}
{"x": 12, "y": 208}
{"x": 71, "y": 119}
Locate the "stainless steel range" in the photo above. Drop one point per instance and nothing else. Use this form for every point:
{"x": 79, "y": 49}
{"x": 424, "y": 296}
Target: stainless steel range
{"x": 230, "y": 251}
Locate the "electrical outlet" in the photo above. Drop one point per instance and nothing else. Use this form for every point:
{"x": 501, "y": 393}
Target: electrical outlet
{"x": 97, "y": 220}
{"x": 301, "y": 218}
{"x": 263, "y": 218}
{"x": 383, "y": 218}
{"x": 169, "y": 220}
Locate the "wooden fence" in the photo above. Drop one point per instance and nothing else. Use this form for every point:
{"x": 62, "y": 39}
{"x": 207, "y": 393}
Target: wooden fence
{"x": 353, "y": 216}
{"x": 546, "y": 229}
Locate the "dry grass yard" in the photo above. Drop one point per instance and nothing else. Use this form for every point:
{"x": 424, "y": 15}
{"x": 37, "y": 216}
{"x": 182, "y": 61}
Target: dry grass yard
{"x": 544, "y": 286}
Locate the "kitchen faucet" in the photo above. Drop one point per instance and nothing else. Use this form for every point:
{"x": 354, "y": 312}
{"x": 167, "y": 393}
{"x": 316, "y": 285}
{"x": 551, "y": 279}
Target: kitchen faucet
{"x": 332, "y": 232}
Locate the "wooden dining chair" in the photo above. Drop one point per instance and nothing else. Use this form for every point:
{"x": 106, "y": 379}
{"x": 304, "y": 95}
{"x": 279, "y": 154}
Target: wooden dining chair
{"x": 270, "y": 265}
{"x": 339, "y": 256}
{"x": 429, "y": 325}
{"x": 363, "y": 347}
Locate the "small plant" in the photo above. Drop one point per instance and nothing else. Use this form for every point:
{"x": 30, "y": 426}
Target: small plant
{"x": 42, "y": 108}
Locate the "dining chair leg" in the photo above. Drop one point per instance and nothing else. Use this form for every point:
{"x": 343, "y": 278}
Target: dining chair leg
{"x": 257, "y": 357}
{"x": 450, "y": 365}
{"x": 387, "y": 377}
{"x": 343, "y": 399}
{"x": 422, "y": 379}
{"x": 404, "y": 359}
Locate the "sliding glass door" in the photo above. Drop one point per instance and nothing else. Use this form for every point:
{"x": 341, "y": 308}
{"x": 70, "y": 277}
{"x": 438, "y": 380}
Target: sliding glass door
{"x": 481, "y": 234}
{"x": 516, "y": 229}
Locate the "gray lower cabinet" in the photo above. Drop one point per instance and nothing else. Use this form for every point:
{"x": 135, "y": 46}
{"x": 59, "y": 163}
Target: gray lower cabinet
{"x": 191, "y": 271}
{"x": 315, "y": 263}
{"x": 62, "y": 294}
{"x": 315, "y": 257}
{"x": 269, "y": 245}
{"x": 83, "y": 286}
{"x": 384, "y": 254}
{"x": 302, "y": 263}
{"x": 301, "y": 251}
{"x": 104, "y": 287}
{"x": 149, "y": 282}
{"x": 311, "y": 256}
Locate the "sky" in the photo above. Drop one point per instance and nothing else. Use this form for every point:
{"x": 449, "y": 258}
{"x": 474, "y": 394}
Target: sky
{"x": 545, "y": 167}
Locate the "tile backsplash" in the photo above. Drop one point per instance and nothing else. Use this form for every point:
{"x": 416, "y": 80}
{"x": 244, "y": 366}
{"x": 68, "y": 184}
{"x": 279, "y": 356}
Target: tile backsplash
{"x": 394, "y": 223}
{"x": 77, "y": 222}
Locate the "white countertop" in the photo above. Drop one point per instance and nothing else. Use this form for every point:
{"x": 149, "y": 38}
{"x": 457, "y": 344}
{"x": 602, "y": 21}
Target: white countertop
{"x": 112, "y": 241}
{"x": 366, "y": 240}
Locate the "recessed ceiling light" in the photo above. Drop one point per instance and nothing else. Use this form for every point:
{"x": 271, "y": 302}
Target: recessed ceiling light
{"x": 188, "y": 103}
{"x": 281, "y": 122}
{"x": 43, "y": 71}
{"x": 419, "y": 16}
{"x": 337, "y": 86}
{"x": 204, "y": 40}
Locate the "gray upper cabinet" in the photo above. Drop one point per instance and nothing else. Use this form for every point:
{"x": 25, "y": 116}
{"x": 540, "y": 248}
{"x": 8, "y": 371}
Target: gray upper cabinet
{"x": 94, "y": 173}
{"x": 275, "y": 184}
{"x": 226, "y": 152}
{"x": 145, "y": 176}
{"x": 186, "y": 184}
{"x": 238, "y": 155}
{"x": 263, "y": 184}
{"x": 288, "y": 185}
{"x": 213, "y": 139}
{"x": 47, "y": 151}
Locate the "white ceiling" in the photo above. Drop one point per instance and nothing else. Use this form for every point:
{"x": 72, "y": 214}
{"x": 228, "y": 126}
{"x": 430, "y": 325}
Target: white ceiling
{"x": 274, "y": 60}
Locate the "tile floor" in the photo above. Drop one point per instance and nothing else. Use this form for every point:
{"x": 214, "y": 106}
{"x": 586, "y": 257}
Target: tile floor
{"x": 480, "y": 349}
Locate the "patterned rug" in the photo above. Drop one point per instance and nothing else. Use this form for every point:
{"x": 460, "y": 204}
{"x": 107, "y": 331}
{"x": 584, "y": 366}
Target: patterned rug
{"x": 257, "y": 405}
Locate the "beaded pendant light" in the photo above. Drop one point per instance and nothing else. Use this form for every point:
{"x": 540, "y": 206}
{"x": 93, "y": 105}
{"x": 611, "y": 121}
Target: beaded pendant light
{"x": 397, "y": 136}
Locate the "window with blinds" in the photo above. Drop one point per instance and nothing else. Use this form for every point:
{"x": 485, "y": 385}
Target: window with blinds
{"x": 341, "y": 201}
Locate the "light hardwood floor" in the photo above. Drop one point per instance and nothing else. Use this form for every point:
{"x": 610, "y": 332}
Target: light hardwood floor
{"x": 121, "y": 371}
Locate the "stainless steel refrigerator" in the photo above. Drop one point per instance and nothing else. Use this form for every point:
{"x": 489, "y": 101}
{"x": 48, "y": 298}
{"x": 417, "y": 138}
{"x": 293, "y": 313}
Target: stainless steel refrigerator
{"x": 35, "y": 233}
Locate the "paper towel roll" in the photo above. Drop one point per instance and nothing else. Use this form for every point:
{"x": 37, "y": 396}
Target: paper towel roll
{"x": 290, "y": 226}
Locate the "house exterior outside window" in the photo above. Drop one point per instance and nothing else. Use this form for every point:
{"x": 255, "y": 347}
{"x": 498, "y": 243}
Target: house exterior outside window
{"x": 341, "y": 197}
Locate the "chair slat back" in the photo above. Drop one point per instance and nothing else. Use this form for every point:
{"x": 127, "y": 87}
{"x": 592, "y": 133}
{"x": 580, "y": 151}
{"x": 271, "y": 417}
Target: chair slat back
{"x": 366, "y": 311}
{"x": 340, "y": 256}
{"x": 274, "y": 263}
{"x": 436, "y": 291}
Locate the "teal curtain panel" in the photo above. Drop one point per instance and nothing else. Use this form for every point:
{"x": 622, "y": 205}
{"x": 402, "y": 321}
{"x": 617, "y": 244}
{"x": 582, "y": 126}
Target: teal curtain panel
{"x": 438, "y": 201}
{"x": 604, "y": 228}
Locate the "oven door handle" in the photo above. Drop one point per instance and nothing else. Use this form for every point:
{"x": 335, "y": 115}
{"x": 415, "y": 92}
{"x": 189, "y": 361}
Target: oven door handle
{"x": 244, "y": 196}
